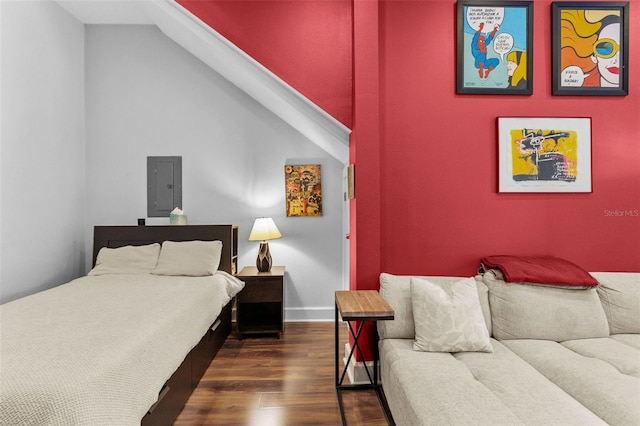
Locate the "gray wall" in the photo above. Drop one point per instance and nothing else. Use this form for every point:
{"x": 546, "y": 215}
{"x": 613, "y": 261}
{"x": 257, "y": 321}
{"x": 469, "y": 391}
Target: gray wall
{"x": 42, "y": 208}
{"x": 82, "y": 108}
{"x": 146, "y": 96}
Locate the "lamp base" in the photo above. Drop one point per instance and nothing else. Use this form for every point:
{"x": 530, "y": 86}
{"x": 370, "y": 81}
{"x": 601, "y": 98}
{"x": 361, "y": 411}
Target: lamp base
{"x": 263, "y": 262}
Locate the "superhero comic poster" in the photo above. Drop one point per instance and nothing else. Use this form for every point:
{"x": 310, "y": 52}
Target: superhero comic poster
{"x": 544, "y": 154}
{"x": 303, "y": 188}
{"x": 495, "y": 47}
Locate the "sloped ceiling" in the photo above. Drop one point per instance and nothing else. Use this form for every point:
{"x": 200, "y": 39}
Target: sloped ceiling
{"x": 225, "y": 58}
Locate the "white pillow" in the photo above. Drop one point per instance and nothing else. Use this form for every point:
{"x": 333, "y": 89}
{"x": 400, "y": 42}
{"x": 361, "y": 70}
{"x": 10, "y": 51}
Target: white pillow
{"x": 189, "y": 258}
{"x": 126, "y": 260}
{"x": 448, "y": 317}
{"x": 396, "y": 290}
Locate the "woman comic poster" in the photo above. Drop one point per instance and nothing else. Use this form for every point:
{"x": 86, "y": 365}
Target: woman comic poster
{"x": 590, "y": 48}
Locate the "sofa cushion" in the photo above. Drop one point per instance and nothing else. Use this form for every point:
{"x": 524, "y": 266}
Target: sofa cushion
{"x": 396, "y": 290}
{"x": 526, "y": 392}
{"x": 620, "y": 296}
{"x": 521, "y": 311}
{"x": 632, "y": 340}
{"x": 598, "y": 384}
{"x": 472, "y": 388}
{"x": 624, "y": 358}
{"x": 432, "y": 388}
{"x": 448, "y": 317}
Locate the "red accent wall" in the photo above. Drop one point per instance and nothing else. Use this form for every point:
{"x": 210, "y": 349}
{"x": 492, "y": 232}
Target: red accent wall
{"x": 305, "y": 43}
{"x": 426, "y": 158}
{"x": 440, "y": 210}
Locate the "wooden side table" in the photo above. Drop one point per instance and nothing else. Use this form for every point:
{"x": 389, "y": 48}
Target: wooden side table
{"x": 260, "y": 304}
{"x": 360, "y": 306}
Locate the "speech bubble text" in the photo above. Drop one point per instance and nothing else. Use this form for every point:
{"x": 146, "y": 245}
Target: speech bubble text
{"x": 490, "y": 16}
{"x": 572, "y": 76}
{"x": 503, "y": 44}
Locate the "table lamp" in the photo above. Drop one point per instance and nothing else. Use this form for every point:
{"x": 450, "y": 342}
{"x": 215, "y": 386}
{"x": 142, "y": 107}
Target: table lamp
{"x": 264, "y": 229}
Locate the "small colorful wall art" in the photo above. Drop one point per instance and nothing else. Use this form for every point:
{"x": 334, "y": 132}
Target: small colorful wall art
{"x": 544, "y": 154}
{"x": 303, "y": 190}
{"x": 495, "y": 47}
{"x": 590, "y": 44}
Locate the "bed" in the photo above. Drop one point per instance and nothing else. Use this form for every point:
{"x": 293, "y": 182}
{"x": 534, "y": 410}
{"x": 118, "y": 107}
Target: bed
{"x": 127, "y": 343}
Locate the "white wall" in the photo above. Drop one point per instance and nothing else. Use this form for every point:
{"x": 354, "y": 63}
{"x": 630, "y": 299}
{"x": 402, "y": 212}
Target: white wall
{"x": 146, "y": 96}
{"x": 42, "y": 221}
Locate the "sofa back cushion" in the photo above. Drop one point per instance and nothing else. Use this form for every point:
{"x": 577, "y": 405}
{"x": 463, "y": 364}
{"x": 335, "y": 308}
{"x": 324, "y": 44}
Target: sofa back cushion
{"x": 396, "y": 290}
{"x": 620, "y": 296}
{"x": 524, "y": 311}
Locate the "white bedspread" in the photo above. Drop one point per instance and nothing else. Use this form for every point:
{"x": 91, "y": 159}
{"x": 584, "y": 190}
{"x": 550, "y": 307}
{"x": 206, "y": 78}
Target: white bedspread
{"x": 97, "y": 351}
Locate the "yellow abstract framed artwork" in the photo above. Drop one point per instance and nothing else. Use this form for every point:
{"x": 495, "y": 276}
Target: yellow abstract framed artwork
{"x": 544, "y": 154}
{"x": 303, "y": 187}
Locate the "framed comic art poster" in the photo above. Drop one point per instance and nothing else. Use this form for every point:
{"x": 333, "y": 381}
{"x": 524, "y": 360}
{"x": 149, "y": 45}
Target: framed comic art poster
{"x": 544, "y": 154}
{"x": 590, "y": 44}
{"x": 303, "y": 187}
{"x": 494, "y": 47}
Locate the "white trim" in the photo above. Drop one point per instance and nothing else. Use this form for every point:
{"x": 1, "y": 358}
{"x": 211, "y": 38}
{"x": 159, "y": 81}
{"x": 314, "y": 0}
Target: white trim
{"x": 228, "y": 60}
{"x": 309, "y": 314}
{"x": 107, "y": 11}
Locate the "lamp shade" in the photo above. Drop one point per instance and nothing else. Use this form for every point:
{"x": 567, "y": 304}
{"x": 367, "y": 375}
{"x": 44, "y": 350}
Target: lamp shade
{"x": 264, "y": 229}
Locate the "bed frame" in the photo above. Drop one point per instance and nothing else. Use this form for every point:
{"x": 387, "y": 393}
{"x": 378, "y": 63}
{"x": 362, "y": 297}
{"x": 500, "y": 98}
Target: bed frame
{"x": 176, "y": 391}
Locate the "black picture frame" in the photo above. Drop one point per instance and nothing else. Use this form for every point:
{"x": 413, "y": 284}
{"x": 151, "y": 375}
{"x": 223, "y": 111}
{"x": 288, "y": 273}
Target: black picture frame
{"x": 505, "y": 67}
{"x": 593, "y": 61}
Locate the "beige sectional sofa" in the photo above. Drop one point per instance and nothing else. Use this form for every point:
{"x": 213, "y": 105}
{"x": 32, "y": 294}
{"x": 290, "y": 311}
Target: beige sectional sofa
{"x": 557, "y": 356}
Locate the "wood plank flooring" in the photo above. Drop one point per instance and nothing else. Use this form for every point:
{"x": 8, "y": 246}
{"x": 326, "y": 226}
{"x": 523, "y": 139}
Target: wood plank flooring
{"x": 263, "y": 381}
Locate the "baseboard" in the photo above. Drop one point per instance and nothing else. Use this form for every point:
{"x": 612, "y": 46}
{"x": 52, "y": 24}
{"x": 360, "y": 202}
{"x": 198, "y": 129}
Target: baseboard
{"x": 309, "y": 314}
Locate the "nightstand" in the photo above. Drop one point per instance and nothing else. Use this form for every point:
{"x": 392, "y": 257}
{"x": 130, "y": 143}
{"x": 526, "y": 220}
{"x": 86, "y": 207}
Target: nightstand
{"x": 260, "y": 304}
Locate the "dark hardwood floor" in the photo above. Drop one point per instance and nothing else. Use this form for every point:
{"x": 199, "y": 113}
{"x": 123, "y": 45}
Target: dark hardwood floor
{"x": 264, "y": 381}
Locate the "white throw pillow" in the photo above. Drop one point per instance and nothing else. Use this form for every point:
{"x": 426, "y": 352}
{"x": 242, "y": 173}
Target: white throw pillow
{"x": 189, "y": 258}
{"x": 126, "y": 260}
{"x": 448, "y": 317}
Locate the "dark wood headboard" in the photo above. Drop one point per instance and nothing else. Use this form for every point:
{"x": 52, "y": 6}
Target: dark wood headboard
{"x": 119, "y": 236}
